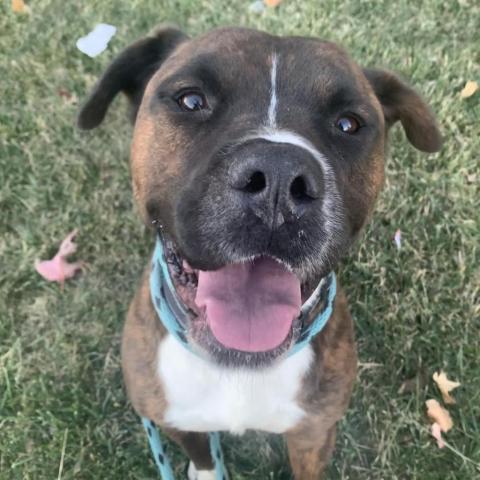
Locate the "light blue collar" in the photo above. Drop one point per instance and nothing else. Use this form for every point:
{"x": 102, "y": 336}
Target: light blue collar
{"x": 172, "y": 313}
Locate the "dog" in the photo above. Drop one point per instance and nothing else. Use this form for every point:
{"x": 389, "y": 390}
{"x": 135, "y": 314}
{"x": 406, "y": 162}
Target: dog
{"x": 257, "y": 159}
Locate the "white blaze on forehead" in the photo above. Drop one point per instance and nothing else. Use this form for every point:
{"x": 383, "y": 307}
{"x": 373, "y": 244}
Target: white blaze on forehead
{"x": 272, "y": 108}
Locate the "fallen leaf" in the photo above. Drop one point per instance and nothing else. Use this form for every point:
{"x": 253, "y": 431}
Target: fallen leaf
{"x": 97, "y": 40}
{"x": 445, "y": 386}
{"x": 436, "y": 431}
{"x": 70, "y": 98}
{"x": 471, "y": 178}
{"x": 272, "y": 3}
{"x": 469, "y": 89}
{"x": 397, "y": 238}
{"x": 439, "y": 415}
{"x": 18, "y": 6}
{"x": 58, "y": 269}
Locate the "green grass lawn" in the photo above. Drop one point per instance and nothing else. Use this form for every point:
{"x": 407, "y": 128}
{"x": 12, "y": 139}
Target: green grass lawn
{"x": 63, "y": 410}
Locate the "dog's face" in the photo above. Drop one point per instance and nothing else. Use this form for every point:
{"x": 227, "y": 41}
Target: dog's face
{"x": 261, "y": 158}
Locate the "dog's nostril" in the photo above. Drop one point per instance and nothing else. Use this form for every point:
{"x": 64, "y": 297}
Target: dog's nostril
{"x": 256, "y": 183}
{"x": 298, "y": 189}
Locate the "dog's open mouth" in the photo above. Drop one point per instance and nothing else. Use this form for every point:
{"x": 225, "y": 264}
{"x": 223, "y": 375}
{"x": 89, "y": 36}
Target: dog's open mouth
{"x": 251, "y": 307}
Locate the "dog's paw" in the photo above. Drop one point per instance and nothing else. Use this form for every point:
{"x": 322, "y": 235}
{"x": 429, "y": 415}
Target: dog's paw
{"x": 194, "y": 474}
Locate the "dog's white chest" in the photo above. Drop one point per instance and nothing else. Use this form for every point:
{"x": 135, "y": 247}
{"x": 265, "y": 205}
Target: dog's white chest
{"x": 204, "y": 397}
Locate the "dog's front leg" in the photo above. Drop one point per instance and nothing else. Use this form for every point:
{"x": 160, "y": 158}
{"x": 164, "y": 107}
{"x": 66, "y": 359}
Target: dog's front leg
{"x": 197, "y": 448}
{"x": 309, "y": 450}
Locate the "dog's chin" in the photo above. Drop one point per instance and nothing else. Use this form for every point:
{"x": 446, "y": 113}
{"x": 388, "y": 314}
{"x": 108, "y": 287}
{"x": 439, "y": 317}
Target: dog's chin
{"x": 243, "y": 314}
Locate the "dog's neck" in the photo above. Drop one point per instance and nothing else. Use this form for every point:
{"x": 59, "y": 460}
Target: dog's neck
{"x": 173, "y": 314}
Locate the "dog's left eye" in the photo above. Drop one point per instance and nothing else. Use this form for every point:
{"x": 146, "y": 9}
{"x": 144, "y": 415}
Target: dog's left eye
{"x": 192, "y": 101}
{"x": 348, "y": 124}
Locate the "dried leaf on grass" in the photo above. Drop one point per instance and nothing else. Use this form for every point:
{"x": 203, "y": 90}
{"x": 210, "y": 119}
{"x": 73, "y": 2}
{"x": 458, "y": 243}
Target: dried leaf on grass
{"x": 68, "y": 97}
{"x": 439, "y": 415}
{"x": 18, "y": 6}
{"x": 469, "y": 89}
{"x": 58, "y": 269}
{"x": 445, "y": 386}
{"x": 471, "y": 178}
{"x": 436, "y": 432}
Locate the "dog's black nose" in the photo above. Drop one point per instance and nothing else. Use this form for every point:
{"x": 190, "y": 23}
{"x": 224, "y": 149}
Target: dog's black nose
{"x": 278, "y": 182}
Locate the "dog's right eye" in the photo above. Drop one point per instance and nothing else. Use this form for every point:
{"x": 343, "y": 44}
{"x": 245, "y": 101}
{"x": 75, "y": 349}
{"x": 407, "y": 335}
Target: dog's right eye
{"x": 348, "y": 124}
{"x": 192, "y": 101}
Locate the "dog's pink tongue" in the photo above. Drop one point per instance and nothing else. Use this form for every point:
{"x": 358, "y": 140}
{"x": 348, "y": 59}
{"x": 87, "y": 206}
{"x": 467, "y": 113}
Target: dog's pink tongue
{"x": 250, "y": 306}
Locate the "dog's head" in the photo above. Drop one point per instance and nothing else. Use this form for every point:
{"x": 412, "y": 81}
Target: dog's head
{"x": 261, "y": 158}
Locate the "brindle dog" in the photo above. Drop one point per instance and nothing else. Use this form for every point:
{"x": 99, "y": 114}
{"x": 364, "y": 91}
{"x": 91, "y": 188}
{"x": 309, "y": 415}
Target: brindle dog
{"x": 260, "y": 158}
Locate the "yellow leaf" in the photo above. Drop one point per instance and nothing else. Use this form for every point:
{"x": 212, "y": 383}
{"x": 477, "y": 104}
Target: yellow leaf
{"x": 272, "y": 3}
{"x": 18, "y": 6}
{"x": 469, "y": 89}
{"x": 439, "y": 415}
{"x": 445, "y": 386}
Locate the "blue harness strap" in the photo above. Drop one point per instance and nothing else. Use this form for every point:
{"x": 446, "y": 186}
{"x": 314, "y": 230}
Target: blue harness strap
{"x": 172, "y": 314}
{"x": 158, "y": 452}
{"x": 161, "y": 459}
{"x": 217, "y": 455}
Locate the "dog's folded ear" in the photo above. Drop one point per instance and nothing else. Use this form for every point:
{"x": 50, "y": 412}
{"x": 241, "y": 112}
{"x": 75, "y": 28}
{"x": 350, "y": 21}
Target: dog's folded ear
{"x": 401, "y": 102}
{"x": 129, "y": 73}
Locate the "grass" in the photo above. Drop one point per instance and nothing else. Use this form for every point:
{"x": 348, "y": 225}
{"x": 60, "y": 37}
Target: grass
{"x": 63, "y": 410}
